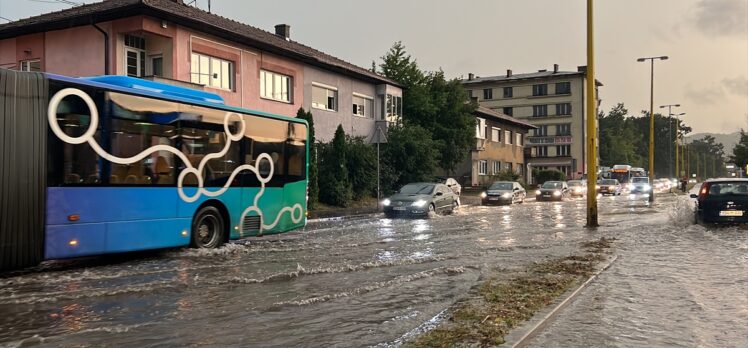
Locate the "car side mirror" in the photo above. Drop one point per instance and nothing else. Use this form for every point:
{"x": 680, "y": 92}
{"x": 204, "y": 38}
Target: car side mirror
{"x": 439, "y": 193}
{"x": 516, "y": 189}
{"x": 694, "y": 196}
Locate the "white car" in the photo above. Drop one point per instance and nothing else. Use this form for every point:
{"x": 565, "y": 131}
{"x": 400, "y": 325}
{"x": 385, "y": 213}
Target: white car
{"x": 452, "y": 184}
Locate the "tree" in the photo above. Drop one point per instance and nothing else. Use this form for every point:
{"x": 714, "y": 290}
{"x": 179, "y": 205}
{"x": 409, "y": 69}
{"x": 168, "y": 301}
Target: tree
{"x": 440, "y": 106}
{"x": 335, "y": 188}
{"x": 740, "y": 151}
{"x": 410, "y": 155}
{"x": 542, "y": 176}
{"x": 706, "y": 157}
{"x": 313, "y": 181}
{"x": 362, "y": 167}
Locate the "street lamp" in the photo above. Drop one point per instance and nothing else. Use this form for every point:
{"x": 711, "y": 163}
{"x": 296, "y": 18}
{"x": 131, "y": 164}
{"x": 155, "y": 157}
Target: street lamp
{"x": 670, "y": 135}
{"x": 651, "y": 116}
{"x": 677, "y": 146}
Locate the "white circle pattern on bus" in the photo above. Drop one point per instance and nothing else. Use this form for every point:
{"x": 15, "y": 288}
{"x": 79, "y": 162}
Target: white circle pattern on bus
{"x": 88, "y": 137}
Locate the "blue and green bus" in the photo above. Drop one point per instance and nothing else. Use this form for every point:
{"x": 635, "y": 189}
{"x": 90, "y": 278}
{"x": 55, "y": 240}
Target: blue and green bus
{"x": 112, "y": 164}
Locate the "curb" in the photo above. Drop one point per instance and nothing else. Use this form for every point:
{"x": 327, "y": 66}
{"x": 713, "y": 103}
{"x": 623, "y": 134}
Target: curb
{"x": 529, "y": 331}
{"x": 342, "y": 218}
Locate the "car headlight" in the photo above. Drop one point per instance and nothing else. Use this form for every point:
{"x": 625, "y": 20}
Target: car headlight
{"x": 611, "y": 187}
{"x": 506, "y": 195}
{"x": 578, "y": 189}
{"x": 537, "y": 192}
{"x": 556, "y": 193}
{"x": 386, "y": 202}
{"x": 597, "y": 187}
{"x": 483, "y": 195}
{"x": 646, "y": 187}
{"x": 419, "y": 203}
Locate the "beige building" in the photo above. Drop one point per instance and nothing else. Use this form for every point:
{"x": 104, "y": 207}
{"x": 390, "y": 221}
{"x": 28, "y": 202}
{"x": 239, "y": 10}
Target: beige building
{"x": 553, "y": 101}
{"x": 499, "y": 146}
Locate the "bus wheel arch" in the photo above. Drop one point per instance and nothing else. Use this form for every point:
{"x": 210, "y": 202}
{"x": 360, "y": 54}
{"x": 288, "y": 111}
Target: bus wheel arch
{"x": 210, "y": 218}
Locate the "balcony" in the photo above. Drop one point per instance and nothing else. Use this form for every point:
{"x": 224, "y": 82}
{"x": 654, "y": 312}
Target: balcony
{"x": 549, "y": 140}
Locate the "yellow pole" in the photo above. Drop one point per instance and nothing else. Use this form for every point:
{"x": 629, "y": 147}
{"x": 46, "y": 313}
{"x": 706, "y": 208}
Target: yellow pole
{"x": 651, "y": 128}
{"x": 591, "y": 124}
{"x": 677, "y": 167}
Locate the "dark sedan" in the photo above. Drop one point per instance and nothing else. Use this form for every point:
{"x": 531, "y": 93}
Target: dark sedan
{"x": 722, "y": 200}
{"x": 503, "y": 192}
{"x": 420, "y": 199}
{"x": 552, "y": 191}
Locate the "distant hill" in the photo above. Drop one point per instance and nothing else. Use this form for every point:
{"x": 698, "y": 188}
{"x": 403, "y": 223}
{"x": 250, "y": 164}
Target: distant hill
{"x": 728, "y": 140}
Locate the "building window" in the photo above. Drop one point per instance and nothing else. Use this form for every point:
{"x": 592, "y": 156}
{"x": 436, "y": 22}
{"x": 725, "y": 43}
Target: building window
{"x": 563, "y": 88}
{"x": 508, "y": 111}
{"x": 541, "y": 131}
{"x": 34, "y": 65}
{"x": 324, "y": 98}
{"x": 495, "y": 134}
{"x": 541, "y": 151}
{"x": 393, "y": 106}
{"x": 508, "y": 92}
{"x": 157, "y": 65}
{"x": 470, "y": 94}
{"x": 275, "y": 86}
{"x": 480, "y": 128}
{"x": 563, "y": 129}
{"x": 488, "y": 93}
{"x": 134, "y": 55}
{"x": 538, "y": 90}
{"x": 496, "y": 167}
{"x": 482, "y": 167}
{"x": 508, "y": 166}
{"x": 508, "y": 137}
{"x": 563, "y": 150}
{"x": 212, "y": 72}
{"x": 539, "y": 110}
{"x": 520, "y": 169}
{"x": 362, "y": 106}
{"x": 563, "y": 109}
{"x": 518, "y": 139}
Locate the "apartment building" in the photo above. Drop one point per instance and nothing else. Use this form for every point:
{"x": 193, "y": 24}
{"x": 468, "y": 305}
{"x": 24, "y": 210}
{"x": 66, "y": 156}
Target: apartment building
{"x": 169, "y": 41}
{"x": 499, "y": 146}
{"x": 553, "y": 101}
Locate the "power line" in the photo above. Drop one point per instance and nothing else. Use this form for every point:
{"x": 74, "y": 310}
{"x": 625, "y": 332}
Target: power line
{"x": 7, "y": 19}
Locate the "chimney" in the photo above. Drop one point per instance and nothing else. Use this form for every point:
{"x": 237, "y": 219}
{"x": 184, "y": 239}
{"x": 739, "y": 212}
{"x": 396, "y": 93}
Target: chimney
{"x": 471, "y": 76}
{"x": 555, "y": 68}
{"x": 582, "y": 68}
{"x": 283, "y": 30}
{"x": 508, "y": 73}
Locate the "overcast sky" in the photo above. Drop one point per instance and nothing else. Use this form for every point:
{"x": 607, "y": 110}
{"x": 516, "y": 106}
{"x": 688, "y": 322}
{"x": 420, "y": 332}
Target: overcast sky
{"x": 706, "y": 40}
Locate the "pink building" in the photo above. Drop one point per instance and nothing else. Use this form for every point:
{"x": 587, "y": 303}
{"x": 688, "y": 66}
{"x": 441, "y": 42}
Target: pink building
{"x": 168, "y": 41}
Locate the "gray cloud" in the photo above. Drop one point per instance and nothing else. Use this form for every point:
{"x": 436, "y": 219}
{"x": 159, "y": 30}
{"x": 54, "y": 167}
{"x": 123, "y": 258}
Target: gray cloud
{"x": 705, "y": 95}
{"x": 722, "y": 17}
{"x": 738, "y": 85}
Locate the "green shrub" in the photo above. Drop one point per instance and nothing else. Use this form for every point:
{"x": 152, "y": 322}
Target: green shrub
{"x": 542, "y": 176}
{"x": 313, "y": 181}
{"x": 362, "y": 167}
{"x": 334, "y": 186}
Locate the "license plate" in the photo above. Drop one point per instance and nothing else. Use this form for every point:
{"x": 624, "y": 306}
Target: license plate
{"x": 546, "y": 195}
{"x": 493, "y": 198}
{"x": 731, "y": 213}
{"x": 398, "y": 208}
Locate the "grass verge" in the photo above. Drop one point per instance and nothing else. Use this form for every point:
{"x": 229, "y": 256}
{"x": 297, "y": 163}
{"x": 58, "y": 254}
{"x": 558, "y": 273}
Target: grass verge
{"x": 499, "y": 305}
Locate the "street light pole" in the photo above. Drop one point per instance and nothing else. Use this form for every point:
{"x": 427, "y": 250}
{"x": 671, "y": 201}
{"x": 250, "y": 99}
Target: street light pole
{"x": 591, "y": 123}
{"x": 678, "y": 167}
{"x": 651, "y": 117}
{"x": 669, "y": 135}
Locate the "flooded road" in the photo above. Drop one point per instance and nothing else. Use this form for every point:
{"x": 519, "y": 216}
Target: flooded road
{"x": 674, "y": 284}
{"x": 373, "y": 281}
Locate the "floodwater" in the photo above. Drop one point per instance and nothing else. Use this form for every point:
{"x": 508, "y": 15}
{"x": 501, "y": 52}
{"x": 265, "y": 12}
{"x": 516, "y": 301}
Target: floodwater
{"x": 374, "y": 281}
{"x": 674, "y": 284}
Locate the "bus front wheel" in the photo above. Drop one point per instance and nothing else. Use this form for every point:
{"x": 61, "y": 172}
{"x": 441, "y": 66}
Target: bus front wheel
{"x": 207, "y": 228}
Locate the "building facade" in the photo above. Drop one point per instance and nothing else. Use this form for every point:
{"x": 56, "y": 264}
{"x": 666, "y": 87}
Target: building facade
{"x": 168, "y": 41}
{"x": 499, "y": 146}
{"x": 553, "y": 101}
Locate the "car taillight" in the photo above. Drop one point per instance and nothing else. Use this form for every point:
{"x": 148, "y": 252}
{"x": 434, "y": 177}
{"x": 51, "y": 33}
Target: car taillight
{"x": 703, "y": 191}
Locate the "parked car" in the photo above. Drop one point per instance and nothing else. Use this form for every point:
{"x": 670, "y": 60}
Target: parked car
{"x": 503, "y": 192}
{"x": 552, "y": 191}
{"x": 609, "y": 187}
{"x": 420, "y": 199}
{"x": 640, "y": 184}
{"x": 577, "y": 188}
{"x": 722, "y": 200}
{"x": 452, "y": 184}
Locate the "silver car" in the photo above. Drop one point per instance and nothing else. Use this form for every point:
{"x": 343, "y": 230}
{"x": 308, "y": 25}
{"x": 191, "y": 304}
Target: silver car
{"x": 504, "y": 192}
{"x": 420, "y": 199}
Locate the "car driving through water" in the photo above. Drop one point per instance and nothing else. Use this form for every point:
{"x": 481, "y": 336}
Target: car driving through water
{"x": 504, "y": 192}
{"x": 420, "y": 199}
{"x": 722, "y": 200}
{"x": 552, "y": 191}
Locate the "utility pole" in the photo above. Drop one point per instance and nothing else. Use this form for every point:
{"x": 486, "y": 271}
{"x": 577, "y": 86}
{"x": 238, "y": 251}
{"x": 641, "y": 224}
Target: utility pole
{"x": 651, "y": 118}
{"x": 670, "y": 137}
{"x": 591, "y": 123}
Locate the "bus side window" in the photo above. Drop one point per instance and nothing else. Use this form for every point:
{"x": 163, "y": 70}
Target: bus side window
{"x": 80, "y": 163}
{"x": 130, "y": 138}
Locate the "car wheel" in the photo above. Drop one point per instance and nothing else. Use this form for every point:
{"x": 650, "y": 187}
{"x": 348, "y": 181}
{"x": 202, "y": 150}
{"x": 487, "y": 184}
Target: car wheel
{"x": 207, "y": 228}
{"x": 432, "y": 209}
{"x": 455, "y": 204}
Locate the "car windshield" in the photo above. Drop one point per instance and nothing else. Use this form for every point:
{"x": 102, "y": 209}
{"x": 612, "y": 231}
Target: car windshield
{"x": 552, "y": 185}
{"x": 575, "y": 183}
{"x": 417, "y": 188}
{"x": 641, "y": 180}
{"x": 728, "y": 188}
{"x": 501, "y": 186}
{"x": 609, "y": 182}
